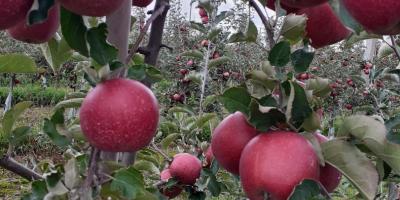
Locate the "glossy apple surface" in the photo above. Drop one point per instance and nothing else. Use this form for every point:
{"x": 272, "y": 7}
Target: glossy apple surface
{"x": 40, "y": 32}
{"x": 185, "y": 168}
{"x": 379, "y": 17}
{"x": 275, "y": 162}
{"x": 229, "y": 139}
{"x": 323, "y": 26}
{"x": 303, "y": 3}
{"x": 119, "y": 115}
{"x": 13, "y": 12}
{"x": 173, "y": 191}
{"x": 96, "y": 8}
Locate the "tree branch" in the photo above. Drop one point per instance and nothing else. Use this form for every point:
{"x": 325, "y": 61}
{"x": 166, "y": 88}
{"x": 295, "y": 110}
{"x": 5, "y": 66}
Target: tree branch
{"x": 394, "y": 47}
{"x": 94, "y": 163}
{"x": 264, "y": 20}
{"x": 10, "y": 164}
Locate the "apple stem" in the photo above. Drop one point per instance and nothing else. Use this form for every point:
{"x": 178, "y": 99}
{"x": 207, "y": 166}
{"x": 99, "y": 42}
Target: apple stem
{"x": 323, "y": 190}
{"x": 394, "y": 47}
{"x": 93, "y": 165}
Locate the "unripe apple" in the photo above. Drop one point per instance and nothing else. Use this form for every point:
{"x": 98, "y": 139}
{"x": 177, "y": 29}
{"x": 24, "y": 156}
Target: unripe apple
{"x": 119, "y": 115}
{"x": 208, "y": 155}
{"x": 202, "y": 12}
{"x": 190, "y": 63}
{"x": 173, "y": 191}
{"x": 229, "y": 139}
{"x": 13, "y": 12}
{"x": 141, "y": 3}
{"x": 329, "y": 176}
{"x": 185, "y": 168}
{"x": 204, "y": 20}
{"x": 40, "y": 32}
{"x": 321, "y": 16}
{"x": 94, "y": 9}
{"x": 275, "y": 162}
{"x": 303, "y": 3}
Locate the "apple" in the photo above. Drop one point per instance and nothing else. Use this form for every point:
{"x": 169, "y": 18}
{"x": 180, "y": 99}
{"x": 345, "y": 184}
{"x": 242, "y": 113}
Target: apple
{"x": 183, "y": 71}
{"x": 379, "y": 17}
{"x": 345, "y": 87}
{"x": 314, "y": 69}
{"x": 366, "y": 71}
{"x": 226, "y": 74}
{"x": 185, "y": 168}
{"x": 345, "y": 64}
{"x": 304, "y": 76}
{"x": 350, "y": 83}
{"x": 319, "y": 16}
{"x": 237, "y": 49}
{"x": 303, "y": 3}
{"x": 329, "y": 176}
{"x": 178, "y": 58}
{"x": 182, "y": 28}
{"x": 113, "y": 109}
{"x": 208, "y": 155}
{"x": 88, "y": 8}
{"x": 204, "y": 43}
{"x": 334, "y": 86}
{"x": 271, "y": 5}
{"x": 16, "y": 81}
{"x": 196, "y": 46}
{"x": 275, "y": 162}
{"x": 349, "y": 107}
{"x": 176, "y": 97}
{"x": 37, "y": 33}
{"x": 13, "y": 12}
{"x": 340, "y": 81}
{"x": 229, "y": 139}
{"x": 173, "y": 191}
{"x": 185, "y": 80}
{"x": 202, "y": 12}
{"x": 190, "y": 63}
{"x": 368, "y": 65}
{"x": 365, "y": 92}
{"x": 380, "y": 84}
{"x": 216, "y": 55}
{"x": 204, "y": 20}
{"x": 141, "y": 3}
{"x": 348, "y": 80}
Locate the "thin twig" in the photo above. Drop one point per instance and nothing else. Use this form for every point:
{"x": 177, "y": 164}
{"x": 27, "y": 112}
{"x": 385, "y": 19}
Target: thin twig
{"x": 323, "y": 190}
{"x": 264, "y": 20}
{"x": 160, "y": 183}
{"x": 158, "y": 150}
{"x": 394, "y": 47}
{"x": 94, "y": 163}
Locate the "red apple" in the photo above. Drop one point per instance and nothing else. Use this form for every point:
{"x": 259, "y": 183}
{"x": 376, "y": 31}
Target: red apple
{"x": 275, "y": 162}
{"x": 141, "y": 3}
{"x": 204, "y": 43}
{"x": 183, "y": 71}
{"x": 16, "y": 81}
{"x": 328, "y": 176}
{"x": 190, "y": 63}
{"x": 345, "y": 64}
{"x": 323, "y": 26}
{"x": 366, "y": 71}
{"x": 182, "y": 28}
{"x": 185, "y": 168}
{"x": 334, "y": 86}
{"x": 345, "y": 87}
{"x": 229, "y": 139}
{"x": 216, "y": 55}
{"x": 348, "y": 80}
{"x": 113, "y": 109}
{"x": 340, "y": 81}
{"x": 365, "y": 92}
{"x": 304, "y": 76}
{"x": 95, "y": 9}
{"x": 37, "y": 33}
{"x": 349, "y": 107}
{"x": 176, "y": 97}
{"x": 178, "y": 58}
{"x": 379, "y": 17}
{"x": 202, "y": 12}
{"x": 226, "y": 74}
{"x": 204, "y": 20}
{"x": 314, "y": 69}
{"x": 13, "y": 12}
{"x": 303, "y": 3}
{"x": 368, "y": 65}
{"x": 173, "y": 191}
{"x": 208, "y": 155}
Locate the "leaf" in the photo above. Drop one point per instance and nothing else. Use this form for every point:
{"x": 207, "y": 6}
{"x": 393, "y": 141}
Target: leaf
{"x": 208, "y": 100}
{"x": 100, "y": 50}
{"x": 319, "y": 86}
{"x": 147, "y": 166}
{"x": 11, "y": 116}
{"x": 137, "y": 72}
{"x": 53, "y": 57}
{"x": 358, "y": 78}
{"x": 141, "y": 156}
{"x": 106, "y": 192}
{"x": 279, "y": 54}
{"x": 354, "y": 38}
{"x": 71, "y": 103}
{"x": 213, "y": 185}
{"x": 368, "y": 108}
{"x": 197, "y": 26}
{"x": 75, "y": 95}
{"x": 206, "y": 4}
{"x": 372, "y": 134}
{"x": 51, "y": 131}
{"x": 72, "y": 179}
{"x": 223, "y": 15}
{"x": 168, "y": 140}
{"x": 344, "y": 156}
{"x": 298, "y": 108}
{"x": 137, "y": 59}
{"x": 314, "y": 141}
{"x": 214, "y": 31}
{"x": 307, "y": 189}
{"x": 39, "y": 12}
{"x": 312, "y": 124}
{"x": 294, "y": 27}
{"x": 385, "y": 50}
{"x": 262, "y": 118}
{"x": 74, "y": 31}
{"x": 344, "y": 16}
{"x": 251, "y": 34}
{"x": 236, "y": 99}
{"x": 182, "y": 108}
{"x": 204, "y": 118}
{"x": 130, "y": 182}
{"x": 193, "y": 54}
{"x": 218, "y": 61}
{"x": 17, "y": 63}
{"x": 19, "y": 134}
{"x": 153, "y": 75}
{"x": 301, "y": 59}
{"x": 39, "y": 191}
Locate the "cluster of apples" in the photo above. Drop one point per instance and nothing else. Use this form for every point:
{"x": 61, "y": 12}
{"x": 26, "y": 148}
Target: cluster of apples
{"x": 272, "y": 162}
{"x": 203, "y": 14}
{"x": 15, "y": 14}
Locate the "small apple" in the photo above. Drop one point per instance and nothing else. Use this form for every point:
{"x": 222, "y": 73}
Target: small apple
{"x": 350, "y": 83}
{"x": 216, "y": 55}
{"x": 196, "y": 46}
{"x": 345, "y": 87}
{"x": 141, "y": 3}
{"x": 202, "y": 12}
{"x": 208, "y": 155}
{"x": 16, "y": 81}
{"x": 178, "y": 58}
{"x": 183, "y": 71}
{"x": 366, "y": 71}
{"x": 190, "y": 63}
{"x": 368, "y": 65}
{"x": 348, "y": 80}
{"x": 349, "y": 107}
{"x": 113, "y": 109}
{"x": 88, "y": 8}
{"x": 345, "y": 64}
{"x": 304, "y": 76}
{"x": 185, "y": 168}
{"x": 13, "y": 12}
{"x": 182, "y": 28}
{"x": 204, "y": 20}
{"x": 176, "y": 97}
{"x": 226, "y": 74}
{"x": 334, "y": 86}
{"x": 237, "y": 49}
{"x": 314, "y": 69}
{"x": 173, "y": 191}
{"x": 268, "y": 164}
{"x": 340, "y": 81}
{"x": 204, "y": 43}
{"x": 365, "y": 92}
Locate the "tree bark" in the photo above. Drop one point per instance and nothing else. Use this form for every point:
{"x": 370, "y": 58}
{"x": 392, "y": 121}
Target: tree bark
{"x": 10, "y": 164}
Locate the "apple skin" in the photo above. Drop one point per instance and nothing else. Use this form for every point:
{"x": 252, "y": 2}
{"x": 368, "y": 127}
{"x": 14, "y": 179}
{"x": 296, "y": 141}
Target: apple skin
{"x": 379, "y": 17}
{"x": 303, "y": 3}
{"x": 173, "y": 191}
{"x": 323, "y": 26}
{"x": 208, "y": 155}
{"x": 328, "y": 176}
{"x": 119, "y": 115}
{"x": 202, "y": 12}
{"x": 13, "y": 12}
{"x": 275, "y": 162}
{"x": 185, "y": 168}
{"x": 37, "y": 33}
{"x": 96, "y": 8}
{"x": 141, "y": 3}
{"x": 229, "y": 139}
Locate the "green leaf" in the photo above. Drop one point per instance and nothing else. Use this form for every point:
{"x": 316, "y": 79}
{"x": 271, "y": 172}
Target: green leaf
{"x": 314, "y": 141}
{"x": 74, "y": 31}
{"x": 75, "y": 95}
{"x": 385, "y": 50}
{"x": 344, "y": 156}
{"x": 298, "y": 108}
{"x": 137, "y": 59}
{"x": 39, "y": 13}
{"x": 100, "y": 50}
{"x": 17, "y": 63}
{"x": 213, "y": 185}
{"x": 204, "y": 118}
{"x": 236, "y": 99}
{"x": 19, "y": 134}
{"x": 147, "y": 166}
{"x": 251, "y": 34}
{"x": 279, "y": 54}
{"x": 182, "y": 108}
{"x": 223, "y": 15}
{"x": 51, "y": 131}
{"x": 294, "y": 27}
{"x": 39, "y": 191}
{"x": 268, "y": 101}
{"x": 262, "y": 118}
{"x": 214, "y": 31}
{"x": 358, "y": 78}
{"x": 141, "y": 156}
{"x": 53, "y": 57}
{"x": 197, "y": 196}
{"x": 369, "y": 108}
{"x": 197, "y": 26}
{"x": 208, "y": 100}
{"x": 307, "y": 189}
{"x": 344, "y": 16}
{"x": 130, "y": 182}
{"x": 63, "y": 46}
{"x": 156, "y": 193}
{"x": 137, "y": 72}
{"x": 70, "y": 103}
{"x": 168, "y": 140}
{"x": 319, "y": 86}
{"x": 301, "y": 59}
{"x": 312, "y": 124}
{"x": 106, "y": 192}
{"x": 193, "y": 54}
{"x": 153, "y": 75}
{"x": 111, "y": 165}
{"x": 72, "y": 179}
{"x": 11, "y": 116}
{"x": 218, "y": 61}
{"x": 354, "y": 38}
